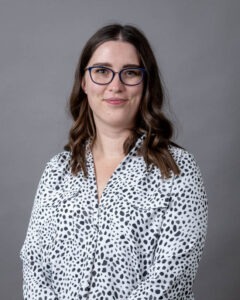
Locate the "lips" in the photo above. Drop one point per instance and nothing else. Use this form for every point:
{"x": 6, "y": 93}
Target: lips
{"x": 115, "y": 101}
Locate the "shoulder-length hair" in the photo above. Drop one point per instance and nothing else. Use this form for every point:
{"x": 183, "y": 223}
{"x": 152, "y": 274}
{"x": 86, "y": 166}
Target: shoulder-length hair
{"x": 150, "y": 119}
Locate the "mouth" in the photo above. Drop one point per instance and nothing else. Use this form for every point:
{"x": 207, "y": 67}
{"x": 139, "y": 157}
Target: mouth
{"x": 115, "y": 101}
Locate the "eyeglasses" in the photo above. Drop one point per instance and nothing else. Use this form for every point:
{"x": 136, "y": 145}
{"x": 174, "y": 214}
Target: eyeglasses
{"x": 128, "y": 76}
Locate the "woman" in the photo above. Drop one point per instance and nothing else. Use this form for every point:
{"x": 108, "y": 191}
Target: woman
{"x": 122, "y": 212}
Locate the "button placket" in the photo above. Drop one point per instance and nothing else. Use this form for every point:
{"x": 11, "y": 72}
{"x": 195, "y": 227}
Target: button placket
{"x": 95, "y": 218}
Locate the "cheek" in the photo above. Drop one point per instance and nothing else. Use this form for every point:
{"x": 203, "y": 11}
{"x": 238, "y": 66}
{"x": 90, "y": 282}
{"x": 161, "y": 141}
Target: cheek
{"x": 137, "y": 93}
{"x": 94, "y": 89}
{"x": 94, "y": 96}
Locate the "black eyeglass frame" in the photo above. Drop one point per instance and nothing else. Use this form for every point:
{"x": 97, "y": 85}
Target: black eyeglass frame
{"x": 119, "y": 74}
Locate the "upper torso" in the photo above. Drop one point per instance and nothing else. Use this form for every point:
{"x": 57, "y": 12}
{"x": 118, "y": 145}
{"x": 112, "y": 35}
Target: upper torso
{"x": 105, "y": 245}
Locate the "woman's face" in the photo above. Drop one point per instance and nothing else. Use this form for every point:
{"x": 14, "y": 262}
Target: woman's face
{"x": 114, "y": 104}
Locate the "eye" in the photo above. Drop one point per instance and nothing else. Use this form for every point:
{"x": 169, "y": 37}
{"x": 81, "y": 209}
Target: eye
{"x": 101, "y": 71}
{"x": 132, "y": 73}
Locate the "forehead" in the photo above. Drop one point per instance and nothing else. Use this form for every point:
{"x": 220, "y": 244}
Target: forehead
{"x": 115, "y": 53}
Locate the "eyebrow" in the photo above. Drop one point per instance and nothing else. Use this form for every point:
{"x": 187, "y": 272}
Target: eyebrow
{"x": 105, "y": 64}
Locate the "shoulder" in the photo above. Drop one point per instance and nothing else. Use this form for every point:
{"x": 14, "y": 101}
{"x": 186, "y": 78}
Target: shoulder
{"x": 60, "y": 160}
{"x": 188, "y": 165}
{"x": 190, "y": 180}
{"x": 56, "y": 170}
{"x": 184, "y": 159}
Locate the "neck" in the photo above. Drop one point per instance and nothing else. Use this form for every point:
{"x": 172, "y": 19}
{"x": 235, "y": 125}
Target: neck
{"x": 109, "y": 143}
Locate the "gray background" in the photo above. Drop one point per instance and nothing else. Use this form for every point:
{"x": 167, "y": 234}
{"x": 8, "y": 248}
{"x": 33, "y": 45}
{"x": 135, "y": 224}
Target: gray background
{"x": 197, "y": 45}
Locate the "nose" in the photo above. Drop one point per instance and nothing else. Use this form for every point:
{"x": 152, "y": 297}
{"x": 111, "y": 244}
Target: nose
{"x": 116, "y": 85}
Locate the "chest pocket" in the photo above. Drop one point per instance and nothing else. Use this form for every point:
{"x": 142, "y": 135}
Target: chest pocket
{"x": 147, "y": 210}
{"x": 149, "y": 191}
{"x": 61, "y": 208}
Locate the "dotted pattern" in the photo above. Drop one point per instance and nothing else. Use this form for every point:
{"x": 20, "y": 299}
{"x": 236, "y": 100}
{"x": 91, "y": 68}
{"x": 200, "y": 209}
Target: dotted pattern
{"x": 143, "y": 241}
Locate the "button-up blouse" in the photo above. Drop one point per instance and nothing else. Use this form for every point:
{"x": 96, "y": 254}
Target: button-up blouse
{"x": 142, "y": 241}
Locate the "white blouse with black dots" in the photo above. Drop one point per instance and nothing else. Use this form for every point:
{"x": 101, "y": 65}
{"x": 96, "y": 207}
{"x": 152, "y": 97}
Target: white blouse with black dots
{"x": 143, "y": 241}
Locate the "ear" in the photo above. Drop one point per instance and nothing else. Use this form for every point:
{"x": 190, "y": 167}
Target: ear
{"x": 83, "y": 85}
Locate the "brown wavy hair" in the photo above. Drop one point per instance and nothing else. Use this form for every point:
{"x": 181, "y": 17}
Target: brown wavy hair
{"x": 150, "y": 119}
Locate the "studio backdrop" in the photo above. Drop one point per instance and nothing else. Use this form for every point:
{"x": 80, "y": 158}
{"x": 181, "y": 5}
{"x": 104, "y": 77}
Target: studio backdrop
{"x": 197, "y": 47}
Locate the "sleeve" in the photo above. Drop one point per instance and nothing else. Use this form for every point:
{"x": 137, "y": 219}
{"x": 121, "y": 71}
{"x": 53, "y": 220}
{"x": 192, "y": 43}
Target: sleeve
{"x": 182, "y": 237}
{"x": 36, "y": 285}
